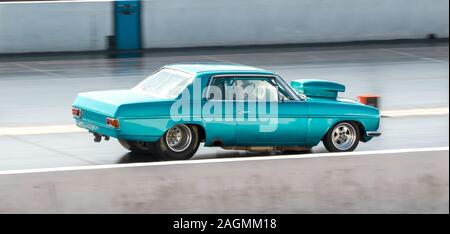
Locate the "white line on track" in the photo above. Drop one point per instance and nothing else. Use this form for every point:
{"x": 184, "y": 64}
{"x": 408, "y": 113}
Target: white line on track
{"x": 416, "y": 112}
{"x": 55, "y": 129}
{"x": 224, "y": 160}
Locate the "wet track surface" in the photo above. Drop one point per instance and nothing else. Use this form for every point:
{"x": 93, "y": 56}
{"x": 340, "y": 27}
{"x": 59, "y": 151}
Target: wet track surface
{"x": 38, "y": 91}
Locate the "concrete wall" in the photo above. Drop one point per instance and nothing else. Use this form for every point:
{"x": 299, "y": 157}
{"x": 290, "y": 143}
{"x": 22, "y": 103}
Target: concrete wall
{"x": 84, "y": 25}
{"x": 184, "y": 23}
{"x": 55, "y": 26}
{"x": 413, "y": 182}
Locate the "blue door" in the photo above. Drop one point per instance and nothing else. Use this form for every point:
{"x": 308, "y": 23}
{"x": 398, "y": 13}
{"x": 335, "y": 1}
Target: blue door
{"x": 268, "y": 121}
{"x": 127, "y": 24}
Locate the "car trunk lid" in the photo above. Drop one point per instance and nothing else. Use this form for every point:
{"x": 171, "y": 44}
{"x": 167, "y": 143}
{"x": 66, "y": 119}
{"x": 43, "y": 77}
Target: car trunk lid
{"x": 96, "y": 106}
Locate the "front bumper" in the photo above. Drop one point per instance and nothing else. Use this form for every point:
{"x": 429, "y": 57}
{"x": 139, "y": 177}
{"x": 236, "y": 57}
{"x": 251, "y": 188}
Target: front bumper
{"x": 373, "y": 134}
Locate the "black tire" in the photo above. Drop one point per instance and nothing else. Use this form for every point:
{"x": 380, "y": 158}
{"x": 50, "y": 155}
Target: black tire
{"x": 137, "y": 147}
{"x": 167, "y": 152}
{"x": 349, "y": 143}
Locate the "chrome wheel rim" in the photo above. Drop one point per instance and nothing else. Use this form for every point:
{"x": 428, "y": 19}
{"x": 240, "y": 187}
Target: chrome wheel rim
{"x": 178, "y": 138}
{"x": 343, "y": 136}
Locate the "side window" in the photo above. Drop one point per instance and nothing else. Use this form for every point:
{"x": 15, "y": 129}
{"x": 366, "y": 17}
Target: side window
{"x": 221, "y": 88}
{"x": 256, "y": 89}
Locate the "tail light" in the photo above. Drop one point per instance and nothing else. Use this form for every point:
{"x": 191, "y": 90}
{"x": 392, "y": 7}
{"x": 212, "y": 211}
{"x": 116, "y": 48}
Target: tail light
{"x": 76, "y": 112}
{"x": 112, "y": 122}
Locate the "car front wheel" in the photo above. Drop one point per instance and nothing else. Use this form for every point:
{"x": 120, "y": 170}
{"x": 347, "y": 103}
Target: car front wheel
{"x": 179, "y": 143}
{"x": 344, "y": 137}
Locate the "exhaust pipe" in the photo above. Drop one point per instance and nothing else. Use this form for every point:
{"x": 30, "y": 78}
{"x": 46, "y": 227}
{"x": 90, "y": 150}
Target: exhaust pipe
{"x": 98, "y": 137}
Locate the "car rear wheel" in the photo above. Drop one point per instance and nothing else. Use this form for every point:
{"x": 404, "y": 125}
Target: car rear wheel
{"x": 179, "y": 143}
{"x": 138, "y": 147}
{"x": 343, "y": 137}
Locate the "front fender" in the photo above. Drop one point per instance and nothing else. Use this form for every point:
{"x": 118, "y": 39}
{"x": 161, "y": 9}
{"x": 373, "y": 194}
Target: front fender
{"x": 325, "y": 114}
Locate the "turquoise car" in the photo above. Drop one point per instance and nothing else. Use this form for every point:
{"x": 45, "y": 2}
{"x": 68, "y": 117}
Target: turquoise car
{"x": 179, "y": 106}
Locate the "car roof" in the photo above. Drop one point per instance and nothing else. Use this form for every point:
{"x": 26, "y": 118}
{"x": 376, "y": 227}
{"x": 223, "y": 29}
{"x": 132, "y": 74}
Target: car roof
{"x": 216, "y": 68}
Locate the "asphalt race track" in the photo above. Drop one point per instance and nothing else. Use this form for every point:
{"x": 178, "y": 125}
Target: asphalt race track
{"x": 37, "y": 91}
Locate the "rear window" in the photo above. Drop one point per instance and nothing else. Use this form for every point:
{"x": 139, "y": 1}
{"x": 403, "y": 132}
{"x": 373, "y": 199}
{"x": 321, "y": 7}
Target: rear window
{"x": 165, "y": 83}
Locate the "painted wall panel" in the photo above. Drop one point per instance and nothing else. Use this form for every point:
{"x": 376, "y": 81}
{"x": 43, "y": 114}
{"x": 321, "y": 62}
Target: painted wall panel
{"x": 55, "y": 26}
{"x": 235, "y": 22}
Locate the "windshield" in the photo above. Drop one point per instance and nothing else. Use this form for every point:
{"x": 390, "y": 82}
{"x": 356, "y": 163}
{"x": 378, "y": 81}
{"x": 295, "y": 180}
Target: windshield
{"x": 166, "y": 83}
{"x": 290, "y": 90}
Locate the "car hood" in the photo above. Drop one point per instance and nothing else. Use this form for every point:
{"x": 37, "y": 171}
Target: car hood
{"x": 108, "y": 102}
{"x": 341, "y": 107}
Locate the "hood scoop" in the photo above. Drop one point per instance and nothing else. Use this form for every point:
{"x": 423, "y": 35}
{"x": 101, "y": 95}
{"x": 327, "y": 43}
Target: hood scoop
{"x": 318, "y": 88}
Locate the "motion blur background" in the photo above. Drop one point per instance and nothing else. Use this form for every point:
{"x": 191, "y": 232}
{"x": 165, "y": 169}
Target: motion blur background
{"x": 394, "y": 49}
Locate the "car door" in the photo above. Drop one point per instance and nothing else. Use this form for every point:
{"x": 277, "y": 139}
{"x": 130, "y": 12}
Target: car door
{"x": 218, "y": 111}
{"x": 267, "y": 114}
